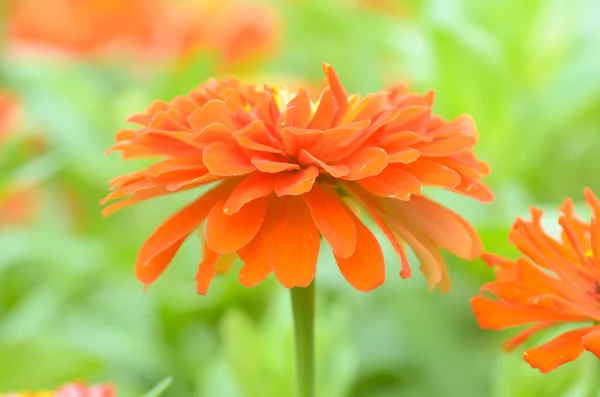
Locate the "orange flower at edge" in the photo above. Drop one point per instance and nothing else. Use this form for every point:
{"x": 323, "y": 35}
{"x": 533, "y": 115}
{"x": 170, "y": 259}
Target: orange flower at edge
{"x": 291, "y": 169}
{"x": 557, "y": 281}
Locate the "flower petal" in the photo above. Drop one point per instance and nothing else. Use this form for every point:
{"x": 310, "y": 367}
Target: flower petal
{"x": 212, "y": 133}
{"x": 446, "y": 228}
{"x": 336, "y": 171}
{"x": 499, "y": 315}
{"x": 392, "y": 182}
{"x": 254, "y": 136}
{"x": 431, "y": 173}
{"x": 404, "y": 156}
{"x": 253, "y": 187}
{"x": 524, "y": 336}
{"x": 365, "y": 268}
{"x": 591, "y": 342}
{"x": 150, "y": 271}
{"x": 180, "y": 225}
{"x": 206, "y": 270}
{"x": 325, "y": 113}
{"x": 272, "y": 163}
{"x": 561, "y": 350}
{"x": 295, "y": 244}
{"x": 256, "y": 255}
{"x": 295, "y": 183}
{"x": 333, "y": 219}
{"x": 175, "y": 164}
{"x": 228, "y": 233}
{"x": 214, "y": 111}
{"x": 226, "y": 159}
{"x": 369, "y": 161}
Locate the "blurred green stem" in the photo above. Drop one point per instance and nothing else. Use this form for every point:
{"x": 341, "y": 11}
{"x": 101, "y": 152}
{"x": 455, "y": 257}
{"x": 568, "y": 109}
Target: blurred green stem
{"x": 303, "y": 306}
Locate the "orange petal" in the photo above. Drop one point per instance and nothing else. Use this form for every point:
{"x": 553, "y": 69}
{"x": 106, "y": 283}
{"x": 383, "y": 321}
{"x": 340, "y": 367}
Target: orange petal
{"x": 404, "y": 156}
{"x": 212, "y": 133}
{"x": 206, "y": 270}
{"x": 339, "y": 94}
{"x": 369, "y": 161}
{"x": 493, "y": 314}
{"x": 301, "y": 105}
{"x": 256, "y": 255}
{"x": 432, "y": 261}
{"x": 365, "y": 268}
{"x": 392, "y": 182}
{"x": 253, "y": 187}
{"x": 167, "y": 145}
{"x": 336, "y": 171}
{"x": 591, "y": 342}
{"x": 446, "y": 228}
{"x": 228, "y": 233}
{"x": 325, "y": 113}
{"x": 295, "y": 244}
{"x": 431, "y": 173}
{"x": 175, "y": 164}
{"x": 226, "y": 159}
{"x": 374, "y": 207}
{"x": 561, "y": 350}
{"x": 524, "y": 336}
{"x": 333, "y": 220}
{"x": 272, "y": 163}
{"x": 180, "y": 225}
{"x": 446, "y": 146}
{"x": 214, "y": 111}
{"x": 295, "y": 183}
{"x": 338, "y": 138}
{"x": 151, "y": 270}
{"x": 256, "y": 137}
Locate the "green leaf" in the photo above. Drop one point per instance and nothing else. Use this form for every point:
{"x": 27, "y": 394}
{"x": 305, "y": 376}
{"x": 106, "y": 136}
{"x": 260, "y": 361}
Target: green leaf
{"x": 159, "y": 389}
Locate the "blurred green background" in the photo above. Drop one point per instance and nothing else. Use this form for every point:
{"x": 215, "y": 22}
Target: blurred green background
{"x": 70, "y": 307}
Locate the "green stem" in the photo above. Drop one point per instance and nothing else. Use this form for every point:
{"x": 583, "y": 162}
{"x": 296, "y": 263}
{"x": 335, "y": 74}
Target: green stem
{"x": 303, "y": 306}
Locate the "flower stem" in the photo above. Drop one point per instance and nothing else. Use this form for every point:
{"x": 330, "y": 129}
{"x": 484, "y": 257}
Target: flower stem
{"x": 303, "y": 307}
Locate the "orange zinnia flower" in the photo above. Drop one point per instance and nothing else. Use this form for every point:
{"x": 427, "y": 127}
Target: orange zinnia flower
{"x": 557, "y": 282}
{"x": 70, "y": 390}
{"x": 291, "y": 169}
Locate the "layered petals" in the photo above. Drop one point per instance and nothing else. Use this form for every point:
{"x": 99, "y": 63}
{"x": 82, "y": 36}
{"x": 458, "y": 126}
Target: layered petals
{"x": 290, "y": 171}
{"x": 556, "y": 282}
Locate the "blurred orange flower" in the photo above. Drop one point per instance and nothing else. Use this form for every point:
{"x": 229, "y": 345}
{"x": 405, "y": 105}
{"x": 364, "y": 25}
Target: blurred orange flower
{"x": 70, "y": 390}
{"x": 240, "y": 30}
{"x": 558, "y": 281}
{"x": 291, "y": 169}
{"x": 82, "y": 26}
{"x": 8, "y": 112}
{"x": 148, "y": 28}
{"x": 17, "y": 205}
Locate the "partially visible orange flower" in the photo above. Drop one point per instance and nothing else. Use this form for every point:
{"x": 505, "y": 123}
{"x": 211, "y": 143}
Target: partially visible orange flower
{"x": 556, "y": 282}
{"x": 18, "y": 205}
{"x": 70, "y": 390}
{"x": 8, "y": 112}
{"x": 148, "y": 28}
{"x": 290, "y": 169}
{"x": 82, "y": 26}
{"x": 235, "y": 30}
